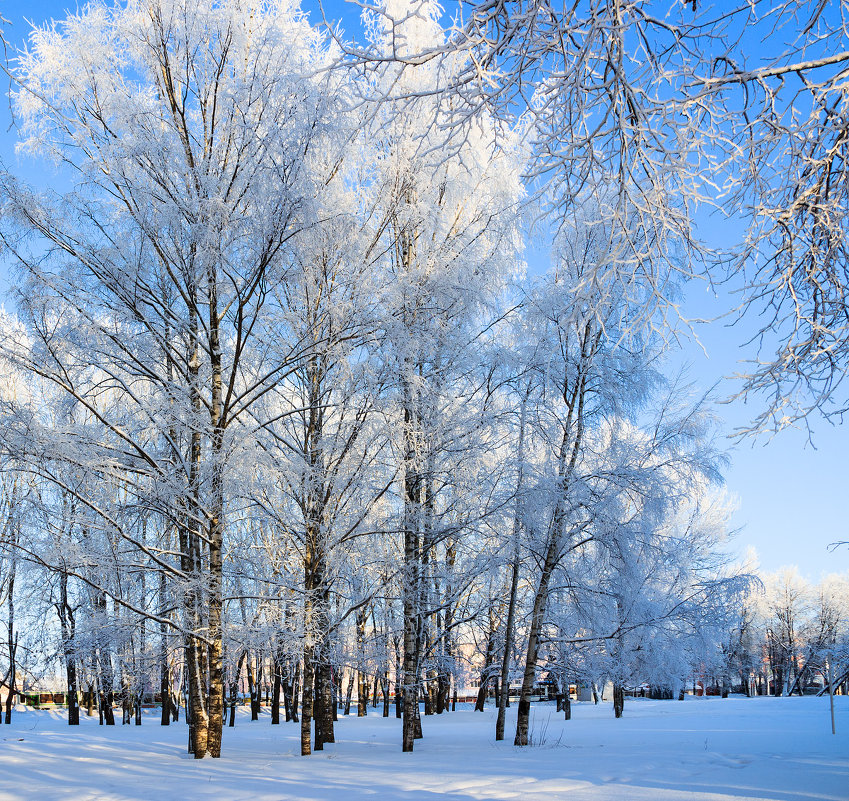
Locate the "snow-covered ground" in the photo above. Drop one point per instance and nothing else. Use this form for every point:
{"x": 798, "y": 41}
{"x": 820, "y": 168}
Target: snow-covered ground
{"x": 706, "y": 749}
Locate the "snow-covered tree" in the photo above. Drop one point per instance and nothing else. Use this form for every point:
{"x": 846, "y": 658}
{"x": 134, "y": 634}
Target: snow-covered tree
{"x": 188, "y": 133}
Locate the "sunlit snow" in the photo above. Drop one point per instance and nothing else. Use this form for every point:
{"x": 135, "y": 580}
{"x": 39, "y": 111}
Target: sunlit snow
{"x": 699, "y": 750}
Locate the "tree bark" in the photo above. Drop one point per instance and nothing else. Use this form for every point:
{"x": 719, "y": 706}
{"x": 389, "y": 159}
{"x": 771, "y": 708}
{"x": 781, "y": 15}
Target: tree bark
{"x": 349, "y": 693}
{"x": 537, "y": 616}
{"x": 296, "y": 683}
{"x": 253, "y": 689}
{"x": 324, "y": 696}
{"x": 618, "y": 700}
{"x": 234, "y": 692}
{"x": 384, "y": 688}
{"x": 275, "y": 693}
{"x": 410, "y": 686}
{"x": 570, "y": 449}
{"x": 504, "y": 697}
{"x": 192, "y": 561}
{"x": 164, "y": 668}
{"x": 308, "y": 679}
{"x": 104, "y": 659}
{"x": 67, "y": 625}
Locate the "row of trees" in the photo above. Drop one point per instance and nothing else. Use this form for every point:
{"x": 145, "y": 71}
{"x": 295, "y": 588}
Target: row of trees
{"x": 792, "y": 637}
{"x": 277, "y": 396}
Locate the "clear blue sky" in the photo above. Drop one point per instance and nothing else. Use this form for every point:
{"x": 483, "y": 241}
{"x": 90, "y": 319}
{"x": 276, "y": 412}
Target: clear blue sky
{"x": 792, "y": 496}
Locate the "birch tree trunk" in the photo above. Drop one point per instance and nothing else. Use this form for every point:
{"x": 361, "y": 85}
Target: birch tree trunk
{"x": 164, "y": 667}
{"x": 67, "y": 621}
{"x": 308, "y": 679}
{"x": 362, "y": 678}
{"x": 104, "y": 660}
{"x": 537, "y": 618}
{"x": 218, "y": 424}
{"x": 573, "y": 393}
{"x": 191, "y": 548}
{"x": 504, "y": 695}
{"x": 12, "y": 637}
{"x": 324, "y": 691}
{"x": 411, "y": 588}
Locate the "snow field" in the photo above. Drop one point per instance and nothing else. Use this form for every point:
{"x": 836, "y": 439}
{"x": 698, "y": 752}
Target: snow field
{"x": 698, "y": 750}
